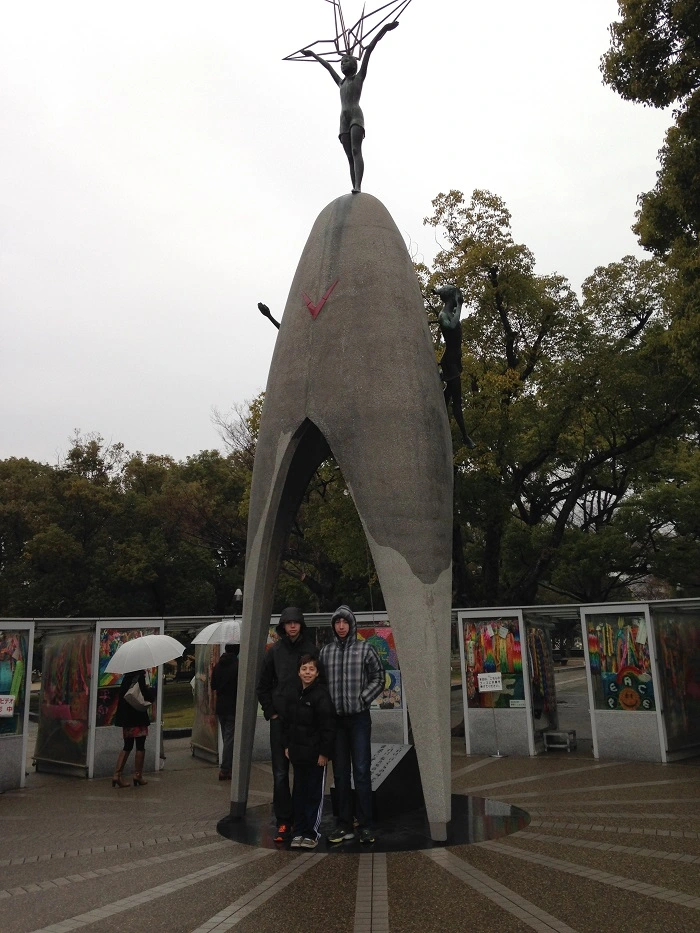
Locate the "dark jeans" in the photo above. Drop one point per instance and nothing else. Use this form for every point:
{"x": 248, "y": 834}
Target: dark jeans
{"x": 227, "y": 724}
{"x": 307, "y": 798}
{"x": 281, "y": 798}
{"x": 353, "y": 739}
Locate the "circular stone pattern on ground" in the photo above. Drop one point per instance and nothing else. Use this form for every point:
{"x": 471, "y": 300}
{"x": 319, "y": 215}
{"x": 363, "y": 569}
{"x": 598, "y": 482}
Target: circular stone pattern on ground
{"x": 474, "y": 819}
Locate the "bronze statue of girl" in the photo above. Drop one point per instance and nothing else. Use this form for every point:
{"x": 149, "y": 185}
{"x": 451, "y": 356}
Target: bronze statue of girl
{"x": 352, "y": 122}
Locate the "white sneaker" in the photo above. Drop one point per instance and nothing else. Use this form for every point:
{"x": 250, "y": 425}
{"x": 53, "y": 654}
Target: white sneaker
{"x": 296, "y": 842}
{"x": 309, "y": 843}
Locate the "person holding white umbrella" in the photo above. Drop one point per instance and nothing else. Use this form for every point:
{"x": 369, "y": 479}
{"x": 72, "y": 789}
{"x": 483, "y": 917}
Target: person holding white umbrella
{"x": 132, "y": 716}
{"x": 135, "y": 698}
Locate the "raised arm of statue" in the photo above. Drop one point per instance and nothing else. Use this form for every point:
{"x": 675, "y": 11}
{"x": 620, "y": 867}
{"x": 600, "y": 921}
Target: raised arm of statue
{"x": 265, "y": 311}
{"x": 329, "y": 68}
{"x": 373, "y": 44}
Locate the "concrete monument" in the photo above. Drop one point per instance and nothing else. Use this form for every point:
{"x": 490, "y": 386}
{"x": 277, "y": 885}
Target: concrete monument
{"x": 353, "y": 373}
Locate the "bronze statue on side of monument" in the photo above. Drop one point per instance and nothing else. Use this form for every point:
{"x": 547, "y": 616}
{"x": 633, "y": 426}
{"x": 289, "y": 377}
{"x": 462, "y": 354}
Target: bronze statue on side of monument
{"x": 451, "y": 362}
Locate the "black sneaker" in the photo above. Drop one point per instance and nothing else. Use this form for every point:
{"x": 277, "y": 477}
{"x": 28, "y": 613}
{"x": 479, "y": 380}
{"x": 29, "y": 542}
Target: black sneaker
{"x": 366, "y": 836}
{"x": 282, "y": 832}
{"x": 340, "y": 835}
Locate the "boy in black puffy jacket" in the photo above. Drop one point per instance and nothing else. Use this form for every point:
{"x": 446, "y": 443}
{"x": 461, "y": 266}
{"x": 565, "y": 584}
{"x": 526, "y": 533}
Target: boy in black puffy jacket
{"x": 309, "y": 733}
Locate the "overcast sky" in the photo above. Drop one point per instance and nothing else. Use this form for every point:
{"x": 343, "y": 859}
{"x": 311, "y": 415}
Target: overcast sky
{"x": 161, "y": 168}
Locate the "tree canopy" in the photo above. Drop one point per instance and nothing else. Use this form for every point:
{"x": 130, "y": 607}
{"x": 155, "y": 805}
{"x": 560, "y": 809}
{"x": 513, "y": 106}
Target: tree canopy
{"x": 654, "y": 59}
{"x": 570, "y": 403}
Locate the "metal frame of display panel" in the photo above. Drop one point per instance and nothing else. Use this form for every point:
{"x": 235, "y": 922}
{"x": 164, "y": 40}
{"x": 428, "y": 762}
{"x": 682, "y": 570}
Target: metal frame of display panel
{"x": 603, "y": 609}
{"x": 492, "y": 615}
{"x": 690, "y": 751}
{"x": 122, "y": 625}
{"x": 11, "y": 625}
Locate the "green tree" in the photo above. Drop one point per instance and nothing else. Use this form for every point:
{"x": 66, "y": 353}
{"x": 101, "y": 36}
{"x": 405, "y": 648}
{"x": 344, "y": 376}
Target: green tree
{"x": 654, "y": 59}
{"x": 567, "y": 400}
{"x": 326, "y": 557}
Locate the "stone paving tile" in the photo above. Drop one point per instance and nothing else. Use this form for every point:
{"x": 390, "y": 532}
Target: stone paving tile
{"x": 135, "y": 864}
{"x": 497, "y": 893}
{"x": 253, "y": 900}
{"x": 622, "y": 860}
{"x": 584, "y": 869}
{"x": 422, "y": 896}
{"x": 583, "y": 903}
{"x": 323, "y": 899}
{"x": 184, "y": 907}
{"x": 96, "y": 890}
{"x": 620, "y": 835}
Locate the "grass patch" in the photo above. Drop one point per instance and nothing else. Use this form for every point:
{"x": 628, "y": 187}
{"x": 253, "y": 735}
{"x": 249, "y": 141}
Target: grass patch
{"x": 178, "y": 705}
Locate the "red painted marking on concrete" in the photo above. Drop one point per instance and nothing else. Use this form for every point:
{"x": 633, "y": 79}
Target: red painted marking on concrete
{"x": 315, "y": 309}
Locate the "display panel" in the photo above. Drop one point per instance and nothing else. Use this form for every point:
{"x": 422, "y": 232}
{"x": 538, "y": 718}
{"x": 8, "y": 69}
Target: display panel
{"x": 678, "y": 658}
{"x": 205, "y": 733}
{"x": 65, "y": 692}
{"x": 493, "y": 646}
{"x": 618, "y": 651}
{"x": 13, "y": 673}
{"x": 108, "y": 684}
{"x": 381, "y": 638}
{"x": 544, "y": 695}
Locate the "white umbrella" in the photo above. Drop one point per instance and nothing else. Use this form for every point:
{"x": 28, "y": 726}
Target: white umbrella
{"x": 226, "y": 632}
{"x": 144, "y": 652}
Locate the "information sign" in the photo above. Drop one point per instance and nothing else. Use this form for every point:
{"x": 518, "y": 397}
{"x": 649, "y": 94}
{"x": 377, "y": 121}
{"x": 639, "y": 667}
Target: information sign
{"x": 489, "y": 683}
{"x": 7, "y": 706}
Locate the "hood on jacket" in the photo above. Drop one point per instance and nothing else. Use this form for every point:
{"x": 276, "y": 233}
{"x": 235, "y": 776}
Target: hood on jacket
{"x": 291, "y": 614}
{"x": 344, "y": 612}
{"x": 229, "y": 657}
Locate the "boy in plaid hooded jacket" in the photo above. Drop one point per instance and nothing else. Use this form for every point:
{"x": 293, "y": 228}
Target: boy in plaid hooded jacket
{"x": 355, "y": 678}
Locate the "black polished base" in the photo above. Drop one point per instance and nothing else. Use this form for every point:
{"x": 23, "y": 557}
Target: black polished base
{"x": 474, "y": 819}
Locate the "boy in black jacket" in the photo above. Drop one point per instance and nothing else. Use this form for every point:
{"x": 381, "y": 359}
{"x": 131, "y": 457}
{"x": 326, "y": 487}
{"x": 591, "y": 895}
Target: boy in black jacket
{"x": 309, "y": 733}
{"x": 280, "y": 672}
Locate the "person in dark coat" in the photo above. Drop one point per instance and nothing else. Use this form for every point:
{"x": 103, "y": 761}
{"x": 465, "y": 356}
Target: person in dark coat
{"x": 224, "y": 680}
{"x": 279, "y": 672}
{"x": 309, "y": 733}
{"x": 134, "y": 724}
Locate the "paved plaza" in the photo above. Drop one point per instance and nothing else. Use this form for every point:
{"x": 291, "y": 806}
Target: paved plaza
{"x": 611, "y": 845}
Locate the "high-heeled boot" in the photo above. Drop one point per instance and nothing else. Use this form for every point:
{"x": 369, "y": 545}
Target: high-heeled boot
{"x": 117, "y": 776}
{"x": 138, "y": 769}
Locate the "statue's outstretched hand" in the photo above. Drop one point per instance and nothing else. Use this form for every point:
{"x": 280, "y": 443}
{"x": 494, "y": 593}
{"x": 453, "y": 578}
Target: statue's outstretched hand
{"x": 263, "y": 309}
{"x": 390, "y": 26}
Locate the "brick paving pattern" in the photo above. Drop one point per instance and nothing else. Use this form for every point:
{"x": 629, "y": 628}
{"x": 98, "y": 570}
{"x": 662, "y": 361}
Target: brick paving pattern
{"x": 611, "y": 845}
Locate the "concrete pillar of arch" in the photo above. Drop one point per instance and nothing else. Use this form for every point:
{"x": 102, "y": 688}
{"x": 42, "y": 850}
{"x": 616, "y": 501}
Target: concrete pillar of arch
{"x": 354, "y": 372}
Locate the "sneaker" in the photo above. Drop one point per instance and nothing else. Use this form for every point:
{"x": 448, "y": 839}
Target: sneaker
{"x": 340, "y": 835}
{"x": 308, "y": 843}
{"x": 296, "y": 842}
{"x": 282, "y": 833}
{"x": 366, "y": 835}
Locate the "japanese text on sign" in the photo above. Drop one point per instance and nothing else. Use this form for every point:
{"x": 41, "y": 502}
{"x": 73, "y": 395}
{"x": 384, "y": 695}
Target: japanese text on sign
{"x": 7, "y": 705}
{"x": 490, "y": 682}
